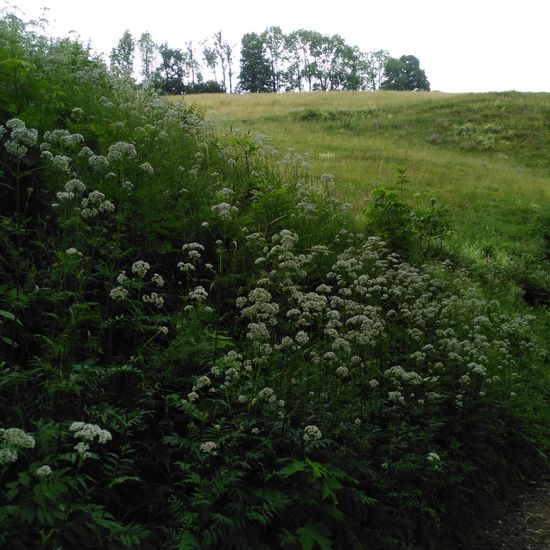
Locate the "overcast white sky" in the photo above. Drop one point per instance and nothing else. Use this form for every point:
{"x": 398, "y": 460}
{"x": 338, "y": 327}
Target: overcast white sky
{"x": 463, "y": 45}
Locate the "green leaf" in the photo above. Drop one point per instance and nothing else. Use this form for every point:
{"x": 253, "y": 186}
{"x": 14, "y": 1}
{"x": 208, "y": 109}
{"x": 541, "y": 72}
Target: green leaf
{"x": 123, "y": 479}
{"x": 188, "y": 542}
{"x": 314, "y": 533}
{"x": 7, "y": 315}
{"x": 292, "y": 468}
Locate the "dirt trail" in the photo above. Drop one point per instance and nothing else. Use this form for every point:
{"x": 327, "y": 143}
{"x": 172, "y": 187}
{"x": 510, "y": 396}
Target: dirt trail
{"x": 524, "y": 523}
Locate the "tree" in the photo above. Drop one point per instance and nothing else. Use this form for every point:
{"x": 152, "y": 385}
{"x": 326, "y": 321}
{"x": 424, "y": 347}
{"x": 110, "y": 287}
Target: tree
{"x": 147, "y": 51}
{"x": 228, "y": 52}
{"x": 122, "y": 56}
{"x": 193, "y": 66}
{"x": 374, "y": 67}
{"x": 256, "y": 73}
{"x": 210, "y": 58}
{"x": 169, "y": 77}
{"x": 405, "y": 74}
{"x": 274, "y": 47}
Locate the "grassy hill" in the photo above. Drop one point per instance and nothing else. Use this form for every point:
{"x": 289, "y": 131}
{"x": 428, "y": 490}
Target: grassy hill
{"x": 486, "y": 156}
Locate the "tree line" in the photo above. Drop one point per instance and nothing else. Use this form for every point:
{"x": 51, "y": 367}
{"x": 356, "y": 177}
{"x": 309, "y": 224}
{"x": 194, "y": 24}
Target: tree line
{"x": 271, "y": 61}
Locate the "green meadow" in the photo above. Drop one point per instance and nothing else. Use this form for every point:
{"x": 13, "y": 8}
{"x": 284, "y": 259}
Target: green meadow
{"x": 485, "y": 156}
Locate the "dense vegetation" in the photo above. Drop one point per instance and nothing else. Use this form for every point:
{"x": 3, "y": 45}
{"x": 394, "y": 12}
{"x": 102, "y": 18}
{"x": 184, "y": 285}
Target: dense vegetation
{"x": 201, "y": 346}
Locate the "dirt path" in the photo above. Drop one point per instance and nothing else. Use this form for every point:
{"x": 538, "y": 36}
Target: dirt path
{"x": 524, "y": 523}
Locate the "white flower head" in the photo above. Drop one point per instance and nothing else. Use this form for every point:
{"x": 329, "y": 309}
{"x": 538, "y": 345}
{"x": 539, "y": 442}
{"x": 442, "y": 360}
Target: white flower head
{"x": 147, "y": 168}
{"x": 73, "y": 252}
{"x": 209, "y": 448}
{"x": 342, "y": 372}
{"x": 140, "y": 268}
{"x": 157, "y": 279}
{"x": 7, "y": 456}
{"x": 118, "y": 293}
{"x": 43, "y": 471}
{"x": 14, "y": 437}
{"x": 312, "y": 433}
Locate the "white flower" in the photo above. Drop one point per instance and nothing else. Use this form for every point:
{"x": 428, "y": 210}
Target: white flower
{"x": 158, "y": 280}
{"x": 193, "y": 396}
{"x": 98, "y": 162}
{"x": 224, "y": 210}
{"x": 374, "y": 383}
{"x": 7, "y": 456}
{"x": 199, "y": 294}
{"x": 63, "y": 195}
{"x": 140, "y": 268}
{"x": 43, "y": 471}
{"x": 14, "y": 437}
{"x": 268, "y": 394}
{"x": 185, "y": 267}
{"x": 61, "y": 162}
{"x": 342, "y": 372}
{"x": 163, "y": 330}
{"x": 209, "y": 447}
{"x": 73, "y": 252}
{"x": 81, "y": 448}
{"x": 312, "y": 433}
{"x": 118, "y": 293}
{"x": 106, "y": 206}
{"x": 121, "y": 277}
{"x": 201, "y": 382}
{"x": 154, "y": 299}
{"x": 147, "y": 168}
{"x": 88, "y": 432}
{"x": 396, "y": 396}
{"x": 122, "y": 150}
{"x": 75, "y": 185}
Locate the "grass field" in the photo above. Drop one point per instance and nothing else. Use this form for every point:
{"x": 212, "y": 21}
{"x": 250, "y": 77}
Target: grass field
{"x": 486, "y": 156}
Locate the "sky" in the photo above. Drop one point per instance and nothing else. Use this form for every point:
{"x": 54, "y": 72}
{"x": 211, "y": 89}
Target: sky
{"x": 462, "y": 45}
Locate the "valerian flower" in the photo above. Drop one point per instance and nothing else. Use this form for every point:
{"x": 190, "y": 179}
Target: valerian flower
{"x": 312, "y": 433}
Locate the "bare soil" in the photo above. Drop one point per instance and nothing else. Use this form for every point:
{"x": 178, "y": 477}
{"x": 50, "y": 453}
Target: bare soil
{"x": 523, "y": 523}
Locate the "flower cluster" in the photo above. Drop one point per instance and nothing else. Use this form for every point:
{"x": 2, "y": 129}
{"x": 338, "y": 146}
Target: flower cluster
{"x": 21, "y": 138}
{"x": 122, "y": 151}
{"x": 94, "y": 204}
{"x": 225, "y": 211}
{"x": 312, "y": 433}
{"x": 13, "y": 439}
{"x": 140, "y": 268}
{"x": 87, "y": 433}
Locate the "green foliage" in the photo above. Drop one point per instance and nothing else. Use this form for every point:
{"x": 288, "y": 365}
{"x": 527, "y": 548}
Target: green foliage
{"x": 122, "y": 56}
{"x": 404, "y": 74}
{"x": 255, "y": 75}
{"x": 201, "y": 349}
{"x": 410, "y": 231}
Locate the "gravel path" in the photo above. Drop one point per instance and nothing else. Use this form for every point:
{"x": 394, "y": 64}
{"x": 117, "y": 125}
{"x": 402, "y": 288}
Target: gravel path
{"x": 524, "y": 523}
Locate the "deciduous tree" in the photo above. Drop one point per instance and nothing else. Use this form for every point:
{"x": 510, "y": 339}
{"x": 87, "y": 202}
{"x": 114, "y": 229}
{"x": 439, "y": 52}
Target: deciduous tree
{"x": 122, "y": 56}
{"x": 405, "y": 74}
{"x": 256, "y": 74}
